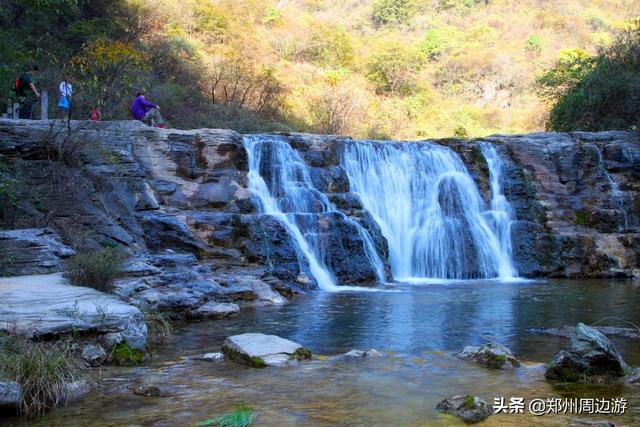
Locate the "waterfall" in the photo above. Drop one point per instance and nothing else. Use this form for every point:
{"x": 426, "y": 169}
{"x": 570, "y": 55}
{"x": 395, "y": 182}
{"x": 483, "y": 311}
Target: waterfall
{"x": 430, "y": 210}
{"x": 500, "y": 213}
{"x": 281, "y": 180}
{"x": 618, "y": 196}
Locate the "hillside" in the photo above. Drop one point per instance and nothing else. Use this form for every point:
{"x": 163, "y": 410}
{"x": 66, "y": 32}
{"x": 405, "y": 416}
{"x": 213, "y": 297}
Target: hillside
{"x": 400, "y": 69}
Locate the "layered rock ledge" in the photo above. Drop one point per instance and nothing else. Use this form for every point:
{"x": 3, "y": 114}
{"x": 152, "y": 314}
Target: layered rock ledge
{"x": 46, "y": 305}
{"x": 574, "y": 198}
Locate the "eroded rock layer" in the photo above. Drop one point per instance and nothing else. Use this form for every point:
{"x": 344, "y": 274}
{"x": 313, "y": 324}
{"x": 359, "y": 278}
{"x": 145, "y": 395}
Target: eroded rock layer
{"x": 163, "y": 192}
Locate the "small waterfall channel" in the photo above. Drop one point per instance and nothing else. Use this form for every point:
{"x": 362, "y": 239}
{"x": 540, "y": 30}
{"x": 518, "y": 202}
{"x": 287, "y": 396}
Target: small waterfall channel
{"x": 618, "y": 196}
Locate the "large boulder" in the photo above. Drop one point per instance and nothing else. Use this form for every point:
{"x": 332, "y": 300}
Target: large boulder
{"x": 491, "y": 355}
{"x": 259, "y": 350}
{"x": 590, "y": 358}
{"x": 471, "y": 409}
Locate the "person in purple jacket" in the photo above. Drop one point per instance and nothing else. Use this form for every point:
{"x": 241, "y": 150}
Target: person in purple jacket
{"x": 146, "y": 111}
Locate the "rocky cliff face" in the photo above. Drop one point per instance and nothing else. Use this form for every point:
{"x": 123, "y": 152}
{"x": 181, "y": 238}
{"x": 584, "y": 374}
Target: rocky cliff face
{"x": 158, "y": 192}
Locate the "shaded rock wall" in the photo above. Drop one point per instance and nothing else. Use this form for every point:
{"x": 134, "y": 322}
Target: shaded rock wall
{"x": 153, "y": 190}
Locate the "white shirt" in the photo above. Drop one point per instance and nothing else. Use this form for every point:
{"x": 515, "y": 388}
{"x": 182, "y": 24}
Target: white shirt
{"x": 65, "y": 89}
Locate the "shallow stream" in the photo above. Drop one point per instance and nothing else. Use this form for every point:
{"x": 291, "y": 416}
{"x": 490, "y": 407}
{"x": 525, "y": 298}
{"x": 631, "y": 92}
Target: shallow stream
{"x": 419, "y": 328}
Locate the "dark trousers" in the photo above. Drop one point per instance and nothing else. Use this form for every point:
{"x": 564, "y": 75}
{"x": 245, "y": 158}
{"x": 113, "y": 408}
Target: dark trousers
{"x": 26, "y": 105}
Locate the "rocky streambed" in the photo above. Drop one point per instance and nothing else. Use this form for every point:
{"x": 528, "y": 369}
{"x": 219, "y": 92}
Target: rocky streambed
{"x": 420, "y": 332}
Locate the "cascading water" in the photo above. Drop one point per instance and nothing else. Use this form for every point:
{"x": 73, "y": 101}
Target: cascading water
{"x": 430, "y": 211}
{"x": 500, "y": 213}
{"x": 281, "y": 180}
{"x": 618, "y": 196}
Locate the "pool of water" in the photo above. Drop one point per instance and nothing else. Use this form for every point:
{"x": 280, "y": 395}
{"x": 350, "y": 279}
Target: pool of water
{"x": 419, "y": 328}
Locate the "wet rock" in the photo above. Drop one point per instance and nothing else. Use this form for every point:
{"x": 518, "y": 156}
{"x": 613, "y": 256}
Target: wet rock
{"x": 249, "y": 288}
{"x": 633, "y": 377}
{"x": 362, "y": 354}
{"x": 471, "y": 409}
{"x": 591, "y": 358}
{"x": 259, "y": 350}
{"x": 147, "y": 390}
{"x": 10, "y": 394}
{"x": 76, "y": 390}
{"x": 490, "y": 355}
{"x": 210, "y": 357}
{"x": 216, "y": 310}
{"x": 33, "y": 251}
{"x": 566, "y": 331}
{"x": 94, "y": 354}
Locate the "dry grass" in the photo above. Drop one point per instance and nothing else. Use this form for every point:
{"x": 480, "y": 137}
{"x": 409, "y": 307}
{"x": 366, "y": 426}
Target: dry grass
{"x": 42, "y": 369}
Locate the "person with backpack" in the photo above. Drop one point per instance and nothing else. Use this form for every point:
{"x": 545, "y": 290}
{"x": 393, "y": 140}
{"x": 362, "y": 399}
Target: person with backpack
{"x": 65, "y": 91}
{"x": 26, "y": 90}
{"x": 146, "y": 111}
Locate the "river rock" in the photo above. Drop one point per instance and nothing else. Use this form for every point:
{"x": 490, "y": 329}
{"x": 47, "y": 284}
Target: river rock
{"x": 590, "y": 358}
{"x": 490, "y": 355}
{"x": 94, "y": 354}
{"x": 10, "y": 394}
{"x": 76, "y": 390}
{"x": 210, "y": 357}
{"x": 471, "y": 409}
{"x": 216, "y": 310}
{"x": 362, "y": 354}
{"x": 258, "y": 350}
{"x": 147, "y": 390}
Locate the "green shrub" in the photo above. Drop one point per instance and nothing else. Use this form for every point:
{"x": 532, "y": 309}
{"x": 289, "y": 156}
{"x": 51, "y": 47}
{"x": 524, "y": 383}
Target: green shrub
{"x": 42, "y": 369}
{"x": 393, "y": 70}
{"x": 581, "y": 217}
{"x": 242, "y": 416}
{"x": 94, "y": 269}
{"x": 439, "y": 40}
{"x": 272, "y": 17}
{"x": 533, "y": 45}
{"x": 386, "y": 12}
{"x": 596, "y": 93}
{"x": 461, "y": 132}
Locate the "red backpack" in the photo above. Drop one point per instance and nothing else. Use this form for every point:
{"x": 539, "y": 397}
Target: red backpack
{"x": 18, "y": 86}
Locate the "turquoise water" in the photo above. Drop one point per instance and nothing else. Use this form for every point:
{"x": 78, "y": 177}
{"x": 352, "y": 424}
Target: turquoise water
{"x": 419, "y": 328}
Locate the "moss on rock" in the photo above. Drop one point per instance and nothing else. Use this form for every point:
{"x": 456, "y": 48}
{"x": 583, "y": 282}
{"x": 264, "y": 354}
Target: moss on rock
{"x": 125, "y": 355}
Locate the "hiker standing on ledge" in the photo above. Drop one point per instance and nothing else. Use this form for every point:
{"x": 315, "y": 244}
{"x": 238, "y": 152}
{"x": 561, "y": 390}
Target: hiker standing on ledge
{"x": 146, "y": 111}
{"x": 26, "y": 91}
{"x": 65, "y": 91}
